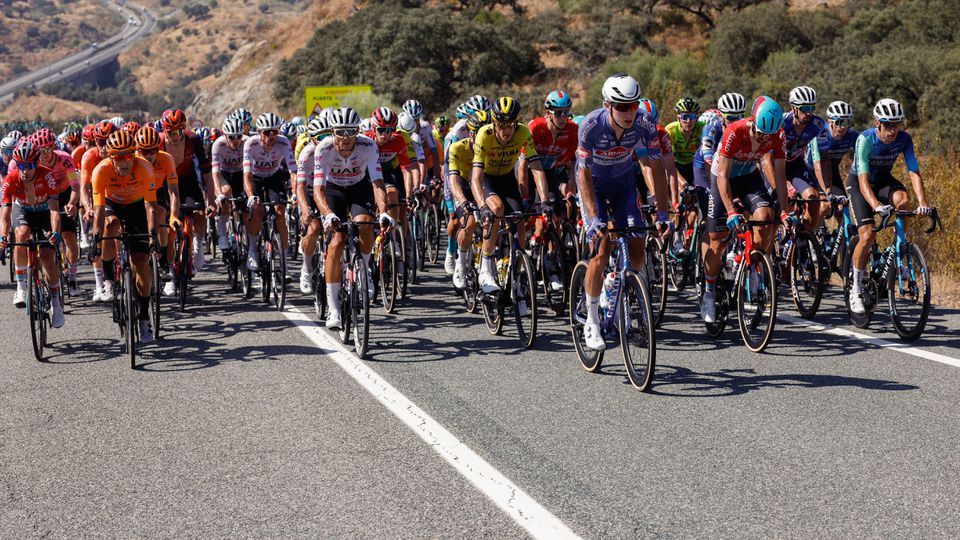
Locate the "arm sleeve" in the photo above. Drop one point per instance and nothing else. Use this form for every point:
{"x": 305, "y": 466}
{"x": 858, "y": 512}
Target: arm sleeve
{"x": 861, "y": 154}
{"x": 247, "y": 162}
{"x": 291, "y": 158}
{"x": 814, "y": 150}
{"x": 304, "y": 163}
{"x": 708, "y": 146}
{"x": 910, "y": 156}
{"x": 373, "y": 164}
{"x": 215, "y": 155}
{"x": 585, "y": 149}
{"x": 319, "y": 173}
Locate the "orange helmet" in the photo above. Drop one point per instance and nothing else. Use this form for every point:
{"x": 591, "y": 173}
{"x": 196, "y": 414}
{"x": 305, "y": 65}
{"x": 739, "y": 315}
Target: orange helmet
{"x": 120, "y": 142}
{"x": 87, "y": 134}
{"x": 148, "y": 139}
{"x": 103, "y": 130}
{"x": 131, "y": 127}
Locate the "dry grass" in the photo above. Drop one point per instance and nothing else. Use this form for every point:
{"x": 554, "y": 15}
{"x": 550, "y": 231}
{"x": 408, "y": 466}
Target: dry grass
{"x": 51, "y": 109}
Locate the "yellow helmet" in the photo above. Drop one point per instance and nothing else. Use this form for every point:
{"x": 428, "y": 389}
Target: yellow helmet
{"x": 506, "y": 109}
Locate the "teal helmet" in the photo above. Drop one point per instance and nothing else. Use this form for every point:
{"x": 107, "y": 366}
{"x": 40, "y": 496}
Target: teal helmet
{"x": 767, "y": 115}
{"x": 649, "y": 109}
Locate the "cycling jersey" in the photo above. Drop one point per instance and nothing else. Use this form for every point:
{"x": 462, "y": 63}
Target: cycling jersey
{"x": 139, "y": 184}
{"x": 737, "y": 146}
{"x": 457, "y": 132}
{"x": 460, "y": 160}
{"x": 684, "y": 148}
{"x": 666, "y": 144}
{"x": 608, "y": 157}
{"x": 303, "y": 140}
{"x": 264, "y": 163}
{"x": 499, "y": 159}
{"x": 224, "y": 159}
{"x": 425, "y": 131}
{"x": 709, "y": 141}
{"x": 305, "y": 167}
{"x": 77, "y": 156}
{"x": 554, "y": 153}
{"x": 14, "y": 190}
{"x": 194, "y": 163}
{"x": 872, "y": 156}
{"x": 398, "y": 151}
{"x": 63, "y": 170}
{"x": 164, "y": 171}
{"x": 3, "y": 167}
{"x": 795, "y": 144}
{"x": 417, "y": 146}
{"x": 91, "y": 158}
{"x": 330, "y": 167}
{"x": 826, "y": 147}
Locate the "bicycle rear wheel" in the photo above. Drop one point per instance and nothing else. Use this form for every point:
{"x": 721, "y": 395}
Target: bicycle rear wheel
{"x": 387, "y": 270}
{"x": 402, "y": 263}
{"x": 756, "y": 301}
{"x": 155, "y": 296}
{"x": 638, "y": 341}
{"x": 346, "y": 304}
{"x": 470, "y": 288}
{"x": 908, "y": 291}
{"x": 550, "y": 262}
{"x": 34, "y": 311}
{"x": 182, "y": 269}
{"x": 278, "y": 272}
{"x": 808, "y": 270}
{"x": 130, "y": 311}
{"x": 413, "y": 249}
{"x": 230, "y": 256}
{"x": 360, "y": 307}
{"x": 433, "y": 234}
{"x": 523, "y": 298}
{"x": 589, "y": 358}
{"x": 264, "y": 254}
{"x": 655, "y": 272}
{"x": 239, "y": 253}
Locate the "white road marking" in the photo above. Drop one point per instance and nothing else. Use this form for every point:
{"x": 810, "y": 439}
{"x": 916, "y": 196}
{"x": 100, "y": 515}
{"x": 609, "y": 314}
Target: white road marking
{"x": 526, "y": 512}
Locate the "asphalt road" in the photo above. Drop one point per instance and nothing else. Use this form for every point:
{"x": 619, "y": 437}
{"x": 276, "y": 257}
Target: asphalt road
{"x": 89, "y": 58}
{"x": 238, "y": 424}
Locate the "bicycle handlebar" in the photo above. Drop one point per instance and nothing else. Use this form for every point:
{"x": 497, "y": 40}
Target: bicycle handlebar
{"x": 934, "y": 216}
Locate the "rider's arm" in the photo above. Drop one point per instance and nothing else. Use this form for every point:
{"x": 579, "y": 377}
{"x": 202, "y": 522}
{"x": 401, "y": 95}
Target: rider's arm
{"x": 861, "y": 158}
{"x": 320, "y": 197}
{"x": 913, "y": 168}
{"x": 723, "y": 165}
{"x": 823, "y": 173}
{"x": 673, "y": 181}
{"x": 54, "y": 206}
{"x": 302, "y": 199}
{"x": 778, "y": 167}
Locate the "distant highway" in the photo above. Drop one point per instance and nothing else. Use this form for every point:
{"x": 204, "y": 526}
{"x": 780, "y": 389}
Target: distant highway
{"x": 139, "y": 23}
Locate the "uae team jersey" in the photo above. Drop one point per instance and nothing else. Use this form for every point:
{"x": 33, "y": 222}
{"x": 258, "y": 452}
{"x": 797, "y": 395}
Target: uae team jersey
{"x": 332, "y": 168}
{"x": 224, "y": 159}
{"x": 264, "y": 163}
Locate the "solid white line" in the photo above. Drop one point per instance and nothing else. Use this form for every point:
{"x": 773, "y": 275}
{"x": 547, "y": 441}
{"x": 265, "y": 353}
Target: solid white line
{"x": 879, "y": 342}
{"x": 526, "y": 512}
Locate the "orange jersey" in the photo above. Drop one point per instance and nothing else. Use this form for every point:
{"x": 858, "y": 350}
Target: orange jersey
{"x": 77, "y": 156}
{"x": 107, "y": 184}
{"x": 91, "y": 158}
{"x": 164, "y": 171}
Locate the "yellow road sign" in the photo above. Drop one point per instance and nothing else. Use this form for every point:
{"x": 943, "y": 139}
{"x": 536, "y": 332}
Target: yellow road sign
{"x": 318, "y": 97}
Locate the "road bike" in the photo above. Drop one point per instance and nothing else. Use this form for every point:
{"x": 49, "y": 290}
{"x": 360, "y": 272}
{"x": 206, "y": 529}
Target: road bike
{"x": 517, "y": 280}
{"x": 38, "y": 293}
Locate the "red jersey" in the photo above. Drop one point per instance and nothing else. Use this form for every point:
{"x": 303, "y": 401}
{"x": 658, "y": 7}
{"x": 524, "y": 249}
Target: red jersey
{"x": 193, "y": 157}
{"x": 554, "y": 153}
{"x": 45, "y": 187}
{"x": 63, "y": 171}
{"x": 393, "y": 151}
{"x": 737, "y": 145}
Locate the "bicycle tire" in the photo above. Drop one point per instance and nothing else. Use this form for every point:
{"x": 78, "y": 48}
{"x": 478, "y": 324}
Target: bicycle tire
{"x": 555, "y": 300}
{"x": 655, "y": 270}
{"x": 360, "y": 304}
{"x": 413, "y": 250}
{"x": 470, "y": 289}
{"x": 346, "y": 309}
{"x": 638, "y": 341}
{"x": 403, "y": 272}
{"x": 763, "y": 301}
{"x": 242, "y": 248}
{"x": 130, "y": 312}
{"x": 807, "y": 268}
{"x": 523, "y": 296}
{"x": 860, "y": 320}
{"x": 155, "y": 296}
{"x": 387, "y": 270}
{"x": 264, "y": 264}
{"x": 33, "y": 312}
{"x": 589, "y": 359}
{"x": 184, "y": 261}
{"x": 211, "y": 237}
{"x": 44, "y": 312}
{"x": 916, "y": 270}
{"x": 433, "y": 230}
{"x": 229, "y": 256}
{"x": 64, "y": 283}
{"x": 278, "y": 272}
{"x": 722, "y": 301}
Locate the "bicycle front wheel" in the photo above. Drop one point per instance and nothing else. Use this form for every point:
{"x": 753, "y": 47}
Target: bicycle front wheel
{"x": 637, "y": 338}
{"x": 360, "y": 307}
{"x": 756, "y": 301}
{"x": 155, "y": 296}
{"x": 808, "y": 273}
{"x": 523, "y": 297}
{"x": 908, "y": 291}
{"x": 387, "y": 270}
{"x": 655, "y": 270}
{"x": 278, "y": 272}
{"x": 589, "y": 358}
{"x": 184, "y": 260}
{"x": 130, "y": 311}
{"x": 433, "y": 234}
{"x": 551, "y": 269}
{"x": 34, "y": 311}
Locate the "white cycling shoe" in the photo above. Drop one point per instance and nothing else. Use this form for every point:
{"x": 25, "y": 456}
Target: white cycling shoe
{"x": 306, "y": 282}
{"x": 458, "y": 280}
{"x": 107, "y": 295}
{"x": 708, "y": 306}
{"x": 20, "y": 298}
{"x": 488, "y": 283}
{"x": 593, "y": 337}
{"x": 333, "y": 320}
{"x": 449, "y": 263}
{"x": 856, "y": 303}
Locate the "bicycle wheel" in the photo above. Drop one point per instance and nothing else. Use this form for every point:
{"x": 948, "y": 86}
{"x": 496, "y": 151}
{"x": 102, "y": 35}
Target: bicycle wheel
{"x": 470, "y": 288}
{"x": 182, "y": 270}
{"x": 293, "y": 230}
{"x": 655, "y": 271}
{"x": 722, "y": 302}
{"x": 130, "y": 312}
{"x": 589, "y": 358}
{"x": 34, "y": 306}
{"x": 360, "y": 307}
{"x": 64, "y": 285}
{"x": 413, "y": 249}
{"x": 638, "y": 342}
{"x": 756, "y": 301}
{"x": 433, "y": 234}
{"x": 239, "y": 253}
{"x": 420, "y": 240}
{"x": 550, "y": 263}
{"x": 265, "y": 254}
{"x": 908, "y": 291}
{"x": 807, "y": 268}
{"x": 278, "y": 272}
{"x": 211, "y": 237}
{"x": 346, "y": 303}
{"x": 319, "y": 285}
{"x": 230, "y": 256}
{"x": 523, "y": 298}
{"x": 44, "y": 311}
{"x": 155, "y": 296}
{"x": 387, "y": 269}
{"x": 868, "y": 288}
{"x": 402, "y": 263}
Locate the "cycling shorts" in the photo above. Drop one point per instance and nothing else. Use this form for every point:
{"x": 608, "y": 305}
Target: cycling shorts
{"x": 884, "y": 185}
{"x": 620, "y": 194}
{"x": 686, "y": 172}
{"x": 750, "y": 188}
{"x": 801, "y": 177}
{"x": 37, "y": 218}
{"x": 273, "y": 188}
{"x": 504, "y": 186}
{"x": 67, "y": 223}
{"x": 133, "y": 217}
{"x": 394, "y": 179}
{"x": 350, "y": 201}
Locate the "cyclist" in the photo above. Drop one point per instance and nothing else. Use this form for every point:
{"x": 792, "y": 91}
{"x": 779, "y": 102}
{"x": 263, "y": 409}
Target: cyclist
{"x": 347, "y": 179}
{"x": 92, "y": 158}
{"x": 827, "y": 150}
{"x": 430, "y": 165}
{"x": 493, "y": 181}
{"x": 609, "y": 137}
{"x": 457, "y": 132}
{"x": 226, "y": 167}
{"x": 644, "y": 182}
{"x": 460, "y": 161}
{"x": 398, "y": 159}
{"x": 7, "y": 145}
{"x": 800, "y": 126}
{"x": 311, "y": 227}
{"x": 30, "y": 201}
{"x": 736, "y": 176}
{"x": 872, "y": 187}
{"x": 264, "y": 179}
{"x": 61, "y": 167}
{"x": 166, "y": 182}
{"x": 246, "y": 119}
{"x": 685, "y": 133}
{"x": 731, "y": 107}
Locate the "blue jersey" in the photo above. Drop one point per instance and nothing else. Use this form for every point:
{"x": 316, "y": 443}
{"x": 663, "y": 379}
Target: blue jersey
{"x": 870, "y": 155}
{"x": 605, "y": 155}
{"x": 3, "y": 167}
{"x": 795, "y": 144}
{"x": 709, "y": 142}
{"x": 825, "y": 147}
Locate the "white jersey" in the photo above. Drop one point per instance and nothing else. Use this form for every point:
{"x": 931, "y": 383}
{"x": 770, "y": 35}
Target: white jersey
{"x": 305, "y": 167}
{"x": 426, "y": 134}
{"x": 417, "y": 145}
{"x": 226, "y": 159}
{"x": 332, "y": 168}
{"x": 457, "y": 132}
{"x": 263, "y": 163}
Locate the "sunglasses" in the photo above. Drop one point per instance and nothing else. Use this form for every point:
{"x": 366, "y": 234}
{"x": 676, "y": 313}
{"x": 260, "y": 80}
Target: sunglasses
{"x": 153, "y": 152}
{"x": 271, "y": 132}
{"x": 234, "y": 137}
{"x": 26, "y": 166}
{"x": 733, "y": 117}
{"x": 121, "y": 158}
{"x": 625, "y": 107}
{"x": 840, "y": 122}
{"x": 346, "y": 132}
{"x": 385, "y": 130}
{"x": 559, "y": 113}
{"x": 8, "y": 153}
{"x": 688, "y": 116}
{"x": 806, "y": 108}
{"x": 504, "y": 125}
{"x": 891, "y": 125}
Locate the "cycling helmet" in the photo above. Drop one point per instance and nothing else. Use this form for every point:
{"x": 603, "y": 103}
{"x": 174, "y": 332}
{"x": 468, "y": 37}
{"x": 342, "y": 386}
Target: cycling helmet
{"x": 413, "y": 108}
{"x": 621, "y": 88}
{"x": 478, "y": 103}
{"x": 215, "y": 133}
{"x": 767, "y": 115}
{"x": 117, "y": 122}
{"x": 147, "y": 138}
{"x": 268, "y": 121}
{"x": 131, "y": 127}
{"x": 87, "y": 133}
{"x": 301, "y": 129}
{"x": 442, "y": 122}
{"x": 44, "y": 138}
{"x": 384, "y": 117}
{"x": 318, "y": 126}
{"x": 26, "y": 152}
{"x": 8, "y": 144}
{"x": 173, "y": 120}
{"x": 462, "y": 111}
{"x": 72, "y": 137}
{"x": 15, "y": 134}
{"x": 506, "y": 109}
{"x": 244, "y": 116}
{"x": 710, "y": 115}
{"x": 558, "y": 99}
{"x": 233, "y": 126}
{"x": 297, "y": 121}
{"x": 120, "y": 142}
{"x": 406, "y": 122}
{"x": 203, "y": 132}
{"x": 344, "y": 117}
{"x": 888, "y": 110}
{"x": 732, "y": 103}
{"x": 687, "y": 105}
{"x": 838, "y": 110}
{"x": 366, "y": 125}
{"x": 477, "y": 120}
{"x": 803, "y": 95}
{"x": 288, "y": 130}
{"x": 103, "y": 130}
{"x": 649, "y": 109}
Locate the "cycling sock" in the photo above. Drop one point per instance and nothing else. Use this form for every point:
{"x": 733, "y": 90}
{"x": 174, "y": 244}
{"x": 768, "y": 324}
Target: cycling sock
{"x": 710, "y": 282}
{"x": 333, "y": 297}
{"x": 109, "y": 270}
{"x": 857, "y": 279}
{"x": 487, "y": 263}
{"x": 21, "y": 272}
{"x": 72, "y": 271}
{"x": 593, "y": 308}
{"x": 464, "y": 257}
{"x": 144, "y": 314}
{"x": 451, "y": 245}
{"x": 98, "y": 276}
{"x": 221, "y": 226}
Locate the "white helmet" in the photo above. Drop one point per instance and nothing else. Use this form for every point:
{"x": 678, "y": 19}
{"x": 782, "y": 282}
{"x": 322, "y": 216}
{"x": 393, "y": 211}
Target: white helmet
{"x": 118, "y": 122}
{"x": 621, "y": 88}
{"x": 839, "y": 110}
{"x": 344, "y": 117}
{"x": 9, "y": 142}
{"x": 732, "y": 103}
{"x": 888, "y": 110}
{"x": 232, "y": 126}
{"x": 406, "y": 122}
{"x": 708, "y": 116}
{"x": 318, "y": 126}
{"x": 413, "y": 108}
{"x": 803, "y": 95}
{"x": 479, "y": 103}
{"x": 268, "y": 121}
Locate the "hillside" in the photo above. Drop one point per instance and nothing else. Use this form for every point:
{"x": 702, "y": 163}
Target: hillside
{"x": 51, "y": 109}
{"x": 36, "y": 32}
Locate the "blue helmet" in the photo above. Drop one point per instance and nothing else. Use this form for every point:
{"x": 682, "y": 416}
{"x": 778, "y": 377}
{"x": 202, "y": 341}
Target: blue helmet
{"x": 558, "y": 99}
{"x": 649, "y": 109}
{"x": 767, "y": 115}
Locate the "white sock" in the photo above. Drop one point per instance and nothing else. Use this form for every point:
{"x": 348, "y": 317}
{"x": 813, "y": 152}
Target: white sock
{"x": 593, "y": 308}
{"x": 857, "y": 280}
{"x": 464, "y": 259}
{"x": 221, "y": 226}
{"x": 487, "y": 265}
{"x": 98, "y": 276}
{"x": 366, "y": 258}
{"x": 333, "y": 297}
{"x": 308, "y": 264}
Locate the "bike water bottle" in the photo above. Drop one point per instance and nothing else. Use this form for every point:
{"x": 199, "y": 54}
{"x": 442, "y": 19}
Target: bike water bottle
{"x": 608, "y": 283}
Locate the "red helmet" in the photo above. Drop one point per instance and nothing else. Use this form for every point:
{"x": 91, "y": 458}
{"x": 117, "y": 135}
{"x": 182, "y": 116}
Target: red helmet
{"x": 384, "y": 117}
{"x": 215, "y": 134}
{"x": 44, "y": 138}
{"x": 131, "y": 127}
{"x": 103, "y": 130}
{"x": 87, "y": 134}
{"x": 26, "y": 152}
{"x": 173, "y": 120}
{"x": 73, "y": 137}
